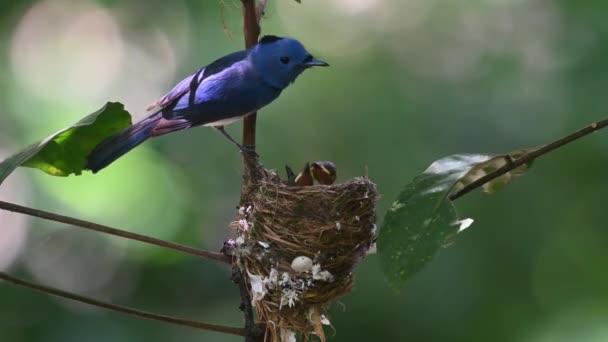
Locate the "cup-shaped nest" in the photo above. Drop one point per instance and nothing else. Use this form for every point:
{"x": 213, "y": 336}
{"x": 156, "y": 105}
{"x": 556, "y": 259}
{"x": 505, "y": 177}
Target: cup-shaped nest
{"x": 299, "y": 246}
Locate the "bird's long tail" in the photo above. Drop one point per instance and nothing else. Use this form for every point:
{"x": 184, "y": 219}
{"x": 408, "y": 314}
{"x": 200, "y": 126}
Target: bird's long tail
{"x": 120, "y": 143}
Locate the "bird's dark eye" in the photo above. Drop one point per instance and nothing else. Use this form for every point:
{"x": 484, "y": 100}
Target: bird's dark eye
{"x": 284, "y": 60}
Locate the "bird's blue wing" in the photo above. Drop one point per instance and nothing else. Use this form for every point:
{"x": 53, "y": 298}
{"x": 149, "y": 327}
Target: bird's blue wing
{"x": 178, "y": 91}
{"x": 223, "y": 63}
{"x": 191, "y": 83}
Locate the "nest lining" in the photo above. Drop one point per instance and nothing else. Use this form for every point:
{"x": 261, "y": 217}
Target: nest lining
{"x": 333, "y": 225}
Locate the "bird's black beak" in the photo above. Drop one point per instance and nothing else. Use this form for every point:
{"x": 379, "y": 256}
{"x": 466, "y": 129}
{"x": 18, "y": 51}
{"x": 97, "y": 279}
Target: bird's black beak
{"x": 313, "y": 62}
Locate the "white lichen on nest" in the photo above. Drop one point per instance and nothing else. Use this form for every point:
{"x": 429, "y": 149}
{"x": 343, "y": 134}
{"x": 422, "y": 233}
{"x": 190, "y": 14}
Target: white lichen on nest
{"x": 299, "y": 247}
{"x": 291, "y": 286}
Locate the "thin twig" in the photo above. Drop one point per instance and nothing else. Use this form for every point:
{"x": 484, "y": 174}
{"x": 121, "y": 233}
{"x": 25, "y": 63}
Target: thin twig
{"x": 528, "y": 157}
{"x": 225, "y": 27}
{"x": 122, "y": 309}
{"x": 260, "y": 10}
{"x": 113, "y": 231}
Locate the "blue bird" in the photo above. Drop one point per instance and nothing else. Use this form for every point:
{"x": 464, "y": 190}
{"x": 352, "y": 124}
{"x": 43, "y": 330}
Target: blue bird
{"x": 220, "y": 93}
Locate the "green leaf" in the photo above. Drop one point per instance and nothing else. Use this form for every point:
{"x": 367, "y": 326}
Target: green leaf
{"x": 422, "y": 219}
{"x": 65, "y": 152}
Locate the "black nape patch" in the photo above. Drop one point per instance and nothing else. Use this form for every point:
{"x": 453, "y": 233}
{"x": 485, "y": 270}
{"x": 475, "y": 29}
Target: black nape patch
{"x": 269, "y": 39}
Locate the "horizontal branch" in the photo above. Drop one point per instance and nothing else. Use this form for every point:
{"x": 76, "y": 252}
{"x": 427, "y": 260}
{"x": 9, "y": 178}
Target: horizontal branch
{"x": 528, "y": 157}
{"x": 123, "y": 309}
{"x": 113, "y": 231}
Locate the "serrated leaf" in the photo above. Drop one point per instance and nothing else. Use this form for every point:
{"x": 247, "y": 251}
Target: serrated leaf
{"x": 65, "y": 152}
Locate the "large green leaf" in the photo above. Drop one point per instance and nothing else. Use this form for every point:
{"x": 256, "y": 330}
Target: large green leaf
{"x": 66, "y": 151}
{"x": 422, "y": 219}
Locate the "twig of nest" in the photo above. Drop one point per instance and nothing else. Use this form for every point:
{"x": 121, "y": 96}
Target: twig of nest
{"x": 299, "y": 246}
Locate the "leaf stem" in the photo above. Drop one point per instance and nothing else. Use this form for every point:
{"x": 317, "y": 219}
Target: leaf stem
{"x": 113, "y": 231}
{"x": 122, "y": 309}
{"x": 528, "y": 157}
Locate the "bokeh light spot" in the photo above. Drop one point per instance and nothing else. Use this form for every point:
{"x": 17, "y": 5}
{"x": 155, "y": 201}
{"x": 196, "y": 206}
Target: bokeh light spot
{"x": 139, "y": 192}
{"x": 13, "y": 227}
{"x": 66, "y": 49}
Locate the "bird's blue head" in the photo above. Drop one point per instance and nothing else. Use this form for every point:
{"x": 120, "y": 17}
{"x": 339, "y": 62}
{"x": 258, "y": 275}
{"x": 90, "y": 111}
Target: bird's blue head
{"x": 280, "y": 60}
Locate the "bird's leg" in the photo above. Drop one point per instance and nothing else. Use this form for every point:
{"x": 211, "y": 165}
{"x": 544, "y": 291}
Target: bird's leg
{"x": 224, "y": 133}
{"x": 246, "y": 149}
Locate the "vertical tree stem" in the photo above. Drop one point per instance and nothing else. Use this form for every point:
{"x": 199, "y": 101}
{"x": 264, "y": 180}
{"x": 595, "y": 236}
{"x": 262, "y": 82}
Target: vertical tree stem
{"x": 251, "y": 31}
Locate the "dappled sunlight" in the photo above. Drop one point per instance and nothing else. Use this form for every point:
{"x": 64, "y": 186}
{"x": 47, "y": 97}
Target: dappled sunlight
{"x": 139, "y": 193}
{"x": 581, "y": 323}
{"x": 500, "y": 57}
{"x": 354, "y": 7}
{"x": 409, "y": 81}
{"x": 342, "y": 33}
{"x": 64, "y": 50}
{"x": 80, "y": 55}
{"x": 73, "y": 259}
{"x": 139, "y": 26}
{"x": 147, "y": 72}
{"x": 73, "y": 57}
{"x": 14, "y": 228}
{"x": 464, "y": 35}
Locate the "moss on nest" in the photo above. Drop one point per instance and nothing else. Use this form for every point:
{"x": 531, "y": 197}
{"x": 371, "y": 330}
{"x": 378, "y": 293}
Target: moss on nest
{"x": 332, "y": 225}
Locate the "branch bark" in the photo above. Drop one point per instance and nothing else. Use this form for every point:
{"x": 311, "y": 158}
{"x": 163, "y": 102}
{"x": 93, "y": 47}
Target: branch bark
{"x": 113, "y": 231}
{"x": 122, "y": 309}
{"x": 528, "y": 157}
{"x": 251, "y": 31}
{"x": 253, "y": 332}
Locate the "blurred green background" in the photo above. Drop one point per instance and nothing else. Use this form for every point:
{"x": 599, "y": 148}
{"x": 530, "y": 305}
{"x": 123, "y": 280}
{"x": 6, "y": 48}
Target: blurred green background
{"x": 410, "y": 81}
